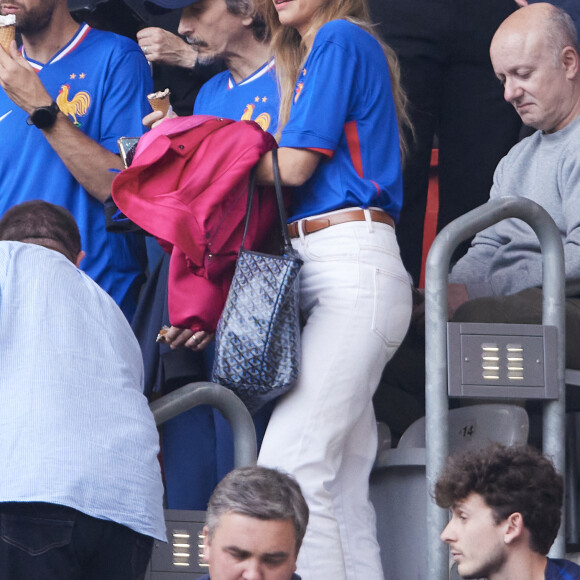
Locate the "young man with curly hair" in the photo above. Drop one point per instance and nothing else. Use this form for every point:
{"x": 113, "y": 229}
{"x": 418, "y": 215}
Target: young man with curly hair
{"x": 505, "y": 507}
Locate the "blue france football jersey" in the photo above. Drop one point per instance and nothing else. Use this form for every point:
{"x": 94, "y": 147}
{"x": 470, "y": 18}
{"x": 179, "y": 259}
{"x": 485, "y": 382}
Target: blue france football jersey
{"x": 343, "y": 107}
{"x": 100, "y": 81}
{"x": 253, "y": 99}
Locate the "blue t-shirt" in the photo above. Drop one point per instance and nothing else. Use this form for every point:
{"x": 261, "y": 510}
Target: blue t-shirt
{"x": 562, "y": 570}
{"x": 343, "y": 106}
{"x": 253, "y": 99}
{"x": 100, "y": 81}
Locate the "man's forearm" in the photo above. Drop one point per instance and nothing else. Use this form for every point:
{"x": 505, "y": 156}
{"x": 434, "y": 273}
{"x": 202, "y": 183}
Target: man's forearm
{"x": 89, "y": 163}
{"x": 93, "y": 166}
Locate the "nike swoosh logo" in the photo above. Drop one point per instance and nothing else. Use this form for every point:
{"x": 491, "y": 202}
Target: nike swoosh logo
{"x": 4, "y": 116}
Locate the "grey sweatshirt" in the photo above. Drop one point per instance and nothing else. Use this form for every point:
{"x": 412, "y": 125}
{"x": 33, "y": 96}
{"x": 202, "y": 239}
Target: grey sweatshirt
{"x": 505, "y": 258}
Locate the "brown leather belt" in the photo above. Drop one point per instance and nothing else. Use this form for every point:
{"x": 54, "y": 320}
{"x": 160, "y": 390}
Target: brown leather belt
{"x": 311, "y": 225}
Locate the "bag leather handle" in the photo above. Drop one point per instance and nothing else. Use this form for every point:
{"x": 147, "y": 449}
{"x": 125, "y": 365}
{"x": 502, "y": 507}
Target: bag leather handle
{"x": 279, "y": 200}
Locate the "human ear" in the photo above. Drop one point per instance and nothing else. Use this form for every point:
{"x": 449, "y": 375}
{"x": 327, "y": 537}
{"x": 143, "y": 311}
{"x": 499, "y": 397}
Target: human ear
{"x": 569, "y": 58}
{"x": 79, "y": 258}
{"x": 514, "y": 527}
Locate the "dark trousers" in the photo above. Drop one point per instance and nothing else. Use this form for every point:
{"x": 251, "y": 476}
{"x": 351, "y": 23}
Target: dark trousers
{"x": 443, "y": 49}
{"x": 41, "y": 541}
{"x": 400, "y": 397}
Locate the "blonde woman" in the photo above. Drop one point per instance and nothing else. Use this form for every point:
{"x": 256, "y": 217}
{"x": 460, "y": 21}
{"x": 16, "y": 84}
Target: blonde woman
{"x": 340, "y": 149}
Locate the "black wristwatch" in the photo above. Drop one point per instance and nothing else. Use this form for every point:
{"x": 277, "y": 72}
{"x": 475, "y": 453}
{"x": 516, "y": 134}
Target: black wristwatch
{"x": 44, "y": 117}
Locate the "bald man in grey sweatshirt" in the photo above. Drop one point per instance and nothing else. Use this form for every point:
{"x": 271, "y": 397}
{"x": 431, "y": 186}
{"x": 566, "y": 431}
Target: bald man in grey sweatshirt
{"x": 535, "y": 55}
{"x": 541, "y": 80}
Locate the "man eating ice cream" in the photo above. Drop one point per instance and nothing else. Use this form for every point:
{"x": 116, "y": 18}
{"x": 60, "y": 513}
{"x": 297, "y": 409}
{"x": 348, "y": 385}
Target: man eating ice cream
{"x": 65, "y": 99}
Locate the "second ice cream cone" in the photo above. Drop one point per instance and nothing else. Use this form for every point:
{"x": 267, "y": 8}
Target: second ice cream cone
{"x": 159, "y": 101}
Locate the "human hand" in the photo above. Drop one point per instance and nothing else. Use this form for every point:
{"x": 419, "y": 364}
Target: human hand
{"x": 521, "y": 3}
{"x": 163, "y": 47}
{"x": 184, "y": 337}
{"x": 153, "y": 119}
{"x": 456, "y": 296}
{"x": 20, "y": 81}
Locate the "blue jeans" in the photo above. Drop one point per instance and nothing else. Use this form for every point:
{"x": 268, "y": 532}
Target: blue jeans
{"x": 42, "y": 541}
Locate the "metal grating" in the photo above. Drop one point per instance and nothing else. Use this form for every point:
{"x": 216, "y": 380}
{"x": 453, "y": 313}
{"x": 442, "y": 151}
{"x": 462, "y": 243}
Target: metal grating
{"x": 502, "y": 361}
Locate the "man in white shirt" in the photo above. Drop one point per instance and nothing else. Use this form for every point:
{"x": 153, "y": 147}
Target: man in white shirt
{"x": 80, "y": 490}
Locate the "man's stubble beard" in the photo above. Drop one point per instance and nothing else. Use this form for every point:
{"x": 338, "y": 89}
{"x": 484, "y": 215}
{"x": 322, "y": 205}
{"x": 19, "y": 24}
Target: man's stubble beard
{"x": 35, "y": 20}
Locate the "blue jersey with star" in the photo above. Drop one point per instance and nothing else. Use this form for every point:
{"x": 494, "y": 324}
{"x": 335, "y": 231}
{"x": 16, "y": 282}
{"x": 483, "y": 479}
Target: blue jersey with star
{"x": 343, "y": 107}
{"x": 100, "y": 81}
{"x": 253, "y": 99}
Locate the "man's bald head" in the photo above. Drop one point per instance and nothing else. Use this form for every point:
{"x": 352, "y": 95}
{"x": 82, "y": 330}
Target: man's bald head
{"x": 552, "y": 23}
{"x": 535, "y": 56}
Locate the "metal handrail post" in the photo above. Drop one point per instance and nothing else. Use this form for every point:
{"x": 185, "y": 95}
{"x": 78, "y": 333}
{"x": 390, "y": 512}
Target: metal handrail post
{"x": 231, "y": 407}
{"x": 436, "y": 316}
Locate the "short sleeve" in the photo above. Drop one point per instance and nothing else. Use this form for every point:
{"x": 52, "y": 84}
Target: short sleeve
{"x": 322, "y": 96}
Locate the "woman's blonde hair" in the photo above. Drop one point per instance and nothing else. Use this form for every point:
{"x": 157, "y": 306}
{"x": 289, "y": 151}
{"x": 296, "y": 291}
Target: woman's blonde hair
{"x": 291, "y": 51}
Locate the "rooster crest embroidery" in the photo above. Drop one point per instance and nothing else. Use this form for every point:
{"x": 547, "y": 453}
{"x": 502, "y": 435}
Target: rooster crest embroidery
{"x": 77, "y": 106}
{"x": 248, "y": 112}
{"x": 263, "y": 119}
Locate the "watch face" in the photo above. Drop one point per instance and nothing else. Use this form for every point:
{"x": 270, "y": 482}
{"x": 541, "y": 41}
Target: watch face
{"x": 44, "y": 117}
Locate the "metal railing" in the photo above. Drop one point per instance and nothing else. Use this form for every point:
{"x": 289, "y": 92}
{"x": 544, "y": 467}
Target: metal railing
{"x": 436, "y": 317}
{"x": 230, "y": 406}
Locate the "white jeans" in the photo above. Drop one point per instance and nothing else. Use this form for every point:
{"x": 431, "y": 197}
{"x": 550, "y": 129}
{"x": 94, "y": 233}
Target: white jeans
{"x": 356, "y": 301}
